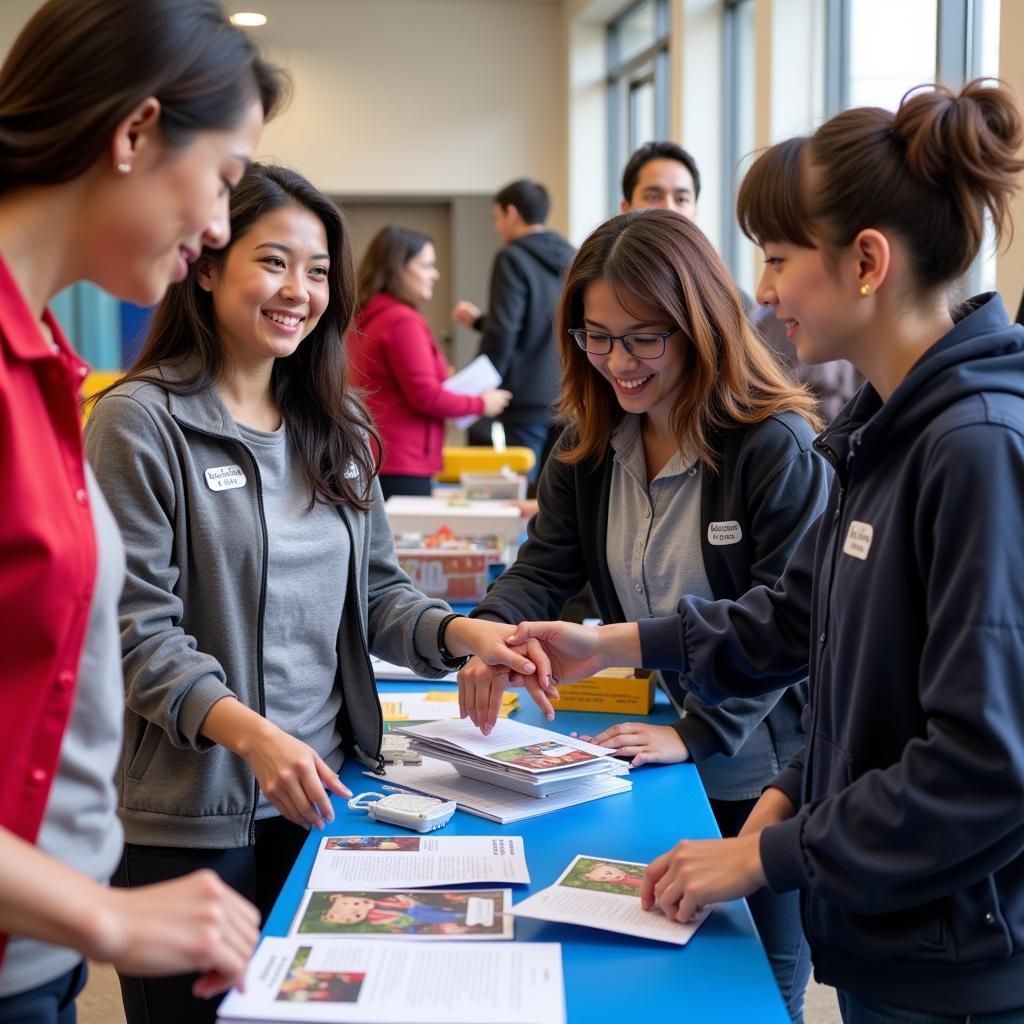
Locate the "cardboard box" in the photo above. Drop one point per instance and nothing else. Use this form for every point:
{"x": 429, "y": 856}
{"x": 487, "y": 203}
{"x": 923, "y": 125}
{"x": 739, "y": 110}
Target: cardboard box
{"x": 465, "y": 518}
{"x": 452, "y": 575}
{"x": 620, "y": 691}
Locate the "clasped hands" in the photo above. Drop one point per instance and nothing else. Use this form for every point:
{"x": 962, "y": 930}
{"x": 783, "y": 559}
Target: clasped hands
{"x": 550, "y": 652}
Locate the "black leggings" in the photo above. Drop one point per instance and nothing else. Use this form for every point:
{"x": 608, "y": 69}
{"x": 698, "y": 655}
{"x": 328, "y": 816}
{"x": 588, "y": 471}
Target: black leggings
{"x": 257, "y": 872}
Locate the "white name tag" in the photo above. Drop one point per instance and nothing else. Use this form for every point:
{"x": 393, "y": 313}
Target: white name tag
{"x": 728, "y": 532}
{"x": 858, "y": 540}
{"x": 224, "y": 478}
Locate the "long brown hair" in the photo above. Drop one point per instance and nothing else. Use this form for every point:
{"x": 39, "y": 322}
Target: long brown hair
{"x": 928, "y": 172}
{"x": 661, "y": 259}
{"x": 327, "y": 423}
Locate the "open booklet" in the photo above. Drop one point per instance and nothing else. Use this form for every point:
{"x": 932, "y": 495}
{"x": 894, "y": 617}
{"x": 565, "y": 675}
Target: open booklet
{"x": 409, "y": 914}
{"x": 598, "y": 892}
{"x": 516, "y": 756}
{"x": 496, "y": 803}
{"x": 313, "y": 979}
{"x": 410, "y": 861}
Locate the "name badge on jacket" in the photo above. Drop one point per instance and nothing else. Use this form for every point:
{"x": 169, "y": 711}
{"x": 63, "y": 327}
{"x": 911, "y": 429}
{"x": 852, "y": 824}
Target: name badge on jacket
{"x": 224, "y": 478}
{"x": 728, "y": 532}
{"x": 858, "y": 540}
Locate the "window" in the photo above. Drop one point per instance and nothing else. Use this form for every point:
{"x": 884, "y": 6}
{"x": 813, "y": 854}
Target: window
{"x": 637, "y": 84}
{"x": 883, "y": 65}
{"x": 923, "y": 40}
{"x": 738, "y": 137}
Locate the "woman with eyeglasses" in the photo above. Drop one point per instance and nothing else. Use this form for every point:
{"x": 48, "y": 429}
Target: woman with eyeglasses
{"x": 686, "y": 468}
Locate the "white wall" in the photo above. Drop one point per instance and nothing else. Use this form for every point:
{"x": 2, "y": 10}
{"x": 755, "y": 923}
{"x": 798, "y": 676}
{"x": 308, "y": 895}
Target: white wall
{"x": 412, "y": 97}
{"x": 421, "y": 97}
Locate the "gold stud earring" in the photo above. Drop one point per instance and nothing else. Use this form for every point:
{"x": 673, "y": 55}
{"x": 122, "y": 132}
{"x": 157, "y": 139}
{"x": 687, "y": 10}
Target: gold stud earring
{"x": 124, "y": 168}
{"x": 865, "y": 290}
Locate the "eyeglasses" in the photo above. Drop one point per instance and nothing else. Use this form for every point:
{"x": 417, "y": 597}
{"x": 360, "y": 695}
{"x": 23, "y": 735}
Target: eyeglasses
{"x": 642, "y": 345}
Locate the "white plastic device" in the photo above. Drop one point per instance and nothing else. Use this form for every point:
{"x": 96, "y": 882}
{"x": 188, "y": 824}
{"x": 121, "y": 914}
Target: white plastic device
{"x": 408, "y": 810}
{"x": 394, "y": 749}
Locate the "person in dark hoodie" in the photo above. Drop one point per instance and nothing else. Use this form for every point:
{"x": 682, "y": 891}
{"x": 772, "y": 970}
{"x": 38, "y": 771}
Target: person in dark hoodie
{"x": 518, "y": 335}
{"x": 903, "y": 823}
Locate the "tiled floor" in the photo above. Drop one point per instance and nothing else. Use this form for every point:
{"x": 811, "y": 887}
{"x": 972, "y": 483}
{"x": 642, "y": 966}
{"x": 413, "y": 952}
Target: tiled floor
{"x": 100, "y": 1003}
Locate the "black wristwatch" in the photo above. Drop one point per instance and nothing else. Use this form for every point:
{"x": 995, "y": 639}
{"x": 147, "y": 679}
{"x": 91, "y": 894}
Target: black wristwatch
{"x": 449, "y": 660}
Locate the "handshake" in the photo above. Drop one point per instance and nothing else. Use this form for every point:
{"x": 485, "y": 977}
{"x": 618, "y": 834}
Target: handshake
{"x": 536, "y": 655}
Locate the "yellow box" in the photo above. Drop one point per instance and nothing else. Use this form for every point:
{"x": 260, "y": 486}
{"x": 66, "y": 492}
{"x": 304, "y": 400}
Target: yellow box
{"x": 620, "y": 691}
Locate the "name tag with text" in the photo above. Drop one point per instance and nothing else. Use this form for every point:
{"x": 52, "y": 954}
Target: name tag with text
{"x": 224, "y": 478}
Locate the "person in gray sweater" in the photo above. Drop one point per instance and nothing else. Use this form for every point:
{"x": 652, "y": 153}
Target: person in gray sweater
{"x": 261, "y": 570}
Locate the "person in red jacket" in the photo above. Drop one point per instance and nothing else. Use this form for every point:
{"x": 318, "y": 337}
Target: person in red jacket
{"x": 123, "y": 127}
{"x": 397, "y": 363}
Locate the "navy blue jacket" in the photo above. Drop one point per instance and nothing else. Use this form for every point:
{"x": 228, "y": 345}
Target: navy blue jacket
{"x": 518, "y": 333}
{"x": 907, "y": 602}
{"x": 769, "y": 481}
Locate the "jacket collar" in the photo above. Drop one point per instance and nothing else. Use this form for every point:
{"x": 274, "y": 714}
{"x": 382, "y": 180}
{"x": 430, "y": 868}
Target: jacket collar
{"x": 23, "y": 335}
{"x": 203, "y": 410}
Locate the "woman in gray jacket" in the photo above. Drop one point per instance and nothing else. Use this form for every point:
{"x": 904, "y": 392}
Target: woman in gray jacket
{"x": 261, "y": 567}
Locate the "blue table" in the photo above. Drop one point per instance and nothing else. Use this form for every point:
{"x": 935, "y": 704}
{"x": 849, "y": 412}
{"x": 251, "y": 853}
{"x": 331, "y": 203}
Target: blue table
{"x": 721, "y": 977}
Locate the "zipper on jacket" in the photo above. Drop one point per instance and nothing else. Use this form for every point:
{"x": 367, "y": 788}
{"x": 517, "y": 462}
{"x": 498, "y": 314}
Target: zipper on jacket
{"x": 379, "y": 769}
{"x": 818, "y": 642}
{"x": 261, "y": 692}
{"x": 259, "y": 631}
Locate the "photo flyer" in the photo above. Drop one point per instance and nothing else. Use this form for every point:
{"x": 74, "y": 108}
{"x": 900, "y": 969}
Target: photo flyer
{"x": 414, "y": 914}
{"x": 511, "y": 745}
{"x": 600, "y": 892}
{"x": 385, "y": 862}
{"x": 351, "y": 980}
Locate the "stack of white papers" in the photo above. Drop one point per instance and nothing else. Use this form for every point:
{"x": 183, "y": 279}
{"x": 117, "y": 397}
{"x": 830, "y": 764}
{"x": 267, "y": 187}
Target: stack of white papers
{"x": 388, "y": 670}
{"x": 524, "y": 758}
{"x": 316, "y": 979}
{"x": 436, "y": 778}
{"x": 599, "y": 892}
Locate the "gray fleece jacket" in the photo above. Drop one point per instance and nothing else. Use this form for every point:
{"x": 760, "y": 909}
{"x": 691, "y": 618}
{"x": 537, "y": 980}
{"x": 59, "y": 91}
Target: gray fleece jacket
{"x": 185, "y": 490}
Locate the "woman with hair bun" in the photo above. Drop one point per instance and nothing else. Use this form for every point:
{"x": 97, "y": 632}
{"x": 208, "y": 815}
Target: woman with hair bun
{"x": 903, "y": 823}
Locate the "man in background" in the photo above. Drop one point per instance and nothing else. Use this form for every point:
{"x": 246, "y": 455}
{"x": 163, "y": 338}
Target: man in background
{"x": 518, "y": 335}
{"x": 663, "y": 175}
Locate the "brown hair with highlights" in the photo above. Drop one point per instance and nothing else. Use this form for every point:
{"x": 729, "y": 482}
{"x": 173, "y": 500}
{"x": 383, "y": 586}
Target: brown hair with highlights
{"x": 927, "y": 172}
{"x": 661, "y": 259}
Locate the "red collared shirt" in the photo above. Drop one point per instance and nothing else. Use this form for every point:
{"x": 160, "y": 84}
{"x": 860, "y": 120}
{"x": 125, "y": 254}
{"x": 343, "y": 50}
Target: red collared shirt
{"x": 47, "y": 555}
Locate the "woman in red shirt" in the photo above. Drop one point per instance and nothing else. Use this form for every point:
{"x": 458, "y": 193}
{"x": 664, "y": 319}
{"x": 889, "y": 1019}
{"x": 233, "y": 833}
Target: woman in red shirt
{"x": 123, "y": 127}
{"x": 396, "y": 361}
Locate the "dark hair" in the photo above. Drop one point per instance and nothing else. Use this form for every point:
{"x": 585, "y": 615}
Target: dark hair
{"x": 663, "y": 260}
{"x": 380, "y": 269}
{"x": 657, "y": 151}
{"x": 927, "y": 172}
{"x": 530, "y": 198}
{"x": 79, "y": 67}
{"x": 328, "y": 425}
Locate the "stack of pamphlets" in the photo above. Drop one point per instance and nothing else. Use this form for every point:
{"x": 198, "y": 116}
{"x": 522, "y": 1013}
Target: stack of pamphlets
{"x": 436, "y": 778}
{"x": 524, "y": 758}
